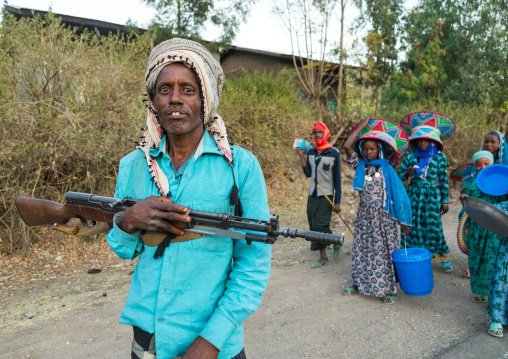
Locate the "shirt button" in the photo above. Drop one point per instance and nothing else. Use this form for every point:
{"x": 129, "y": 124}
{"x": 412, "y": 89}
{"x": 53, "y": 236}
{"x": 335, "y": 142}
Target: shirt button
{"x": 170, "y": 177}
{"x": 161, "y": 320}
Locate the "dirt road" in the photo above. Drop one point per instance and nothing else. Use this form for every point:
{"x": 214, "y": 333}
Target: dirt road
{"x": 302, "y": 314}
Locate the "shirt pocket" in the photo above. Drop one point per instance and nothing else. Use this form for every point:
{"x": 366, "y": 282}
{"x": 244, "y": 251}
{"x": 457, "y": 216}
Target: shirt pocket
{"x": 213, "y": 243}
{"x": 326, "y": 166}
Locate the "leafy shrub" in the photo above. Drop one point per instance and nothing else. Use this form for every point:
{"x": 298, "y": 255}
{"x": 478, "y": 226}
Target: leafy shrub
{"x": 71, "y": 103}
{"x": 264, "y": 114}
{"x": 72, "y": 108}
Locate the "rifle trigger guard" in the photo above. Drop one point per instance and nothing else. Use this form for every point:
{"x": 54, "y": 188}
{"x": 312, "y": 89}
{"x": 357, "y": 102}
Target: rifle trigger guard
{"x": 85, "y": 223}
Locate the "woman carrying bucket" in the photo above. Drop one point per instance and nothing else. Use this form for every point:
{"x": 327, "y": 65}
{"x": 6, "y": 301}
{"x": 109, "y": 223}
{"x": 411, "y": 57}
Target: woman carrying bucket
{"x": 374, "y": 148}
{"x": 482, "y": 244}
{"x": 426, "y": 166}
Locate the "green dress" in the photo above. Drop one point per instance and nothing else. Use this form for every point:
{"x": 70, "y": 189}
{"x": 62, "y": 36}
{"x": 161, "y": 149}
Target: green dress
{"x": 498, "y": 295}
{"x": 426, "y": 197}
{"x": 482, "y": 244}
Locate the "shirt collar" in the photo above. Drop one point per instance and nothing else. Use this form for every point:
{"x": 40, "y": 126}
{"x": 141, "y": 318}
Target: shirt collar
{"x": 206, "y": 145}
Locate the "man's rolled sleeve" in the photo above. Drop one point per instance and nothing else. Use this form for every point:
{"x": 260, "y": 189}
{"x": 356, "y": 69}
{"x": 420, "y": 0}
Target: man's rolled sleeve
{"x": 251, "y": 267}
{"x": 126, "y": 246}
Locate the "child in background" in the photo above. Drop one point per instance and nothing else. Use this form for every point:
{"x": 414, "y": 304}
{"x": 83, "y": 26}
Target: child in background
{"x": 383, "y": 204}
{"x": 322, "y": 166}
{"x": 495, "y": 143}
{"x": 483, "y": 245}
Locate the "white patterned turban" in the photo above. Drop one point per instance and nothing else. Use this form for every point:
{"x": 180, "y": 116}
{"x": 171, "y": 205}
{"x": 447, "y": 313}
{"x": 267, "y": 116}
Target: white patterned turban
{"x": 210, "y": 78}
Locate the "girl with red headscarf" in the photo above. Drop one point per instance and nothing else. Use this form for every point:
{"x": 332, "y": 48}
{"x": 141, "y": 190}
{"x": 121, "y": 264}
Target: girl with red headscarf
{"x": 322, "y": 166}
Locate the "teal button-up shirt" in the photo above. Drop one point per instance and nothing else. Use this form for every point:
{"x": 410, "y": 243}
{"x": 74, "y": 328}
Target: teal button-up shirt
{"x": 207, "y": 286}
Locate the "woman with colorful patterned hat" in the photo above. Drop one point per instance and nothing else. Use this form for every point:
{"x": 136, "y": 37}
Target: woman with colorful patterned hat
{"x": 426, "y": 166}
{"x": 373, "y": 149}
{"x": 482, "y": 244}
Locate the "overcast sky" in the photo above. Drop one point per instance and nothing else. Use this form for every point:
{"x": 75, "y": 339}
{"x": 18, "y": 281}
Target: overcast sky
{"x": 263, "y": 31}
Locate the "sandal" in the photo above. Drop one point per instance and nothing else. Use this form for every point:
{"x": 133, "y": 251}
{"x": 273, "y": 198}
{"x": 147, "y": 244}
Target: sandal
{"x": 465, "y": 273}
{"x": 337, "y": 250}
{"x": 349, "y": 290}
{"x": 320, "y": 263}
{"x": 389, "y": 299}
{"x": 480, "y": 299}
{"x": 496, "y": 329}
{"x": 447, "y": 267}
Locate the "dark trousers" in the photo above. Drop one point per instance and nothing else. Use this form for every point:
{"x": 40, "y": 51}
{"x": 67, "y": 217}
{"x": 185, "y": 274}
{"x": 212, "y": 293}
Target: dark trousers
{"x": 145, "y": 342}
{"x": 319, "y": 214}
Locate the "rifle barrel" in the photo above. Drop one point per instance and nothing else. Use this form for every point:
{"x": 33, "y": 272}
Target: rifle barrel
{"x": 326, "y": 238}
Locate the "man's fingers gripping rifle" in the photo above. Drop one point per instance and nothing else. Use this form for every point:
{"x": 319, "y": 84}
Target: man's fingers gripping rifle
{"x": 92, "y": 208}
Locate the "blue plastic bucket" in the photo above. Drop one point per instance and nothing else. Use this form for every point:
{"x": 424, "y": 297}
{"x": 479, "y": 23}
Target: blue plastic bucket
{"x": 414, "y": 270}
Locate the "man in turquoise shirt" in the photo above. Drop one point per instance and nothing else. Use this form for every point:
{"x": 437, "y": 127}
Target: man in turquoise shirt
{"x": 188, "y": 298}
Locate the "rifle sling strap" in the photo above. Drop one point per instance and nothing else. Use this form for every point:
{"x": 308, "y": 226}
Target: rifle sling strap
{"x": 151, "y": 240}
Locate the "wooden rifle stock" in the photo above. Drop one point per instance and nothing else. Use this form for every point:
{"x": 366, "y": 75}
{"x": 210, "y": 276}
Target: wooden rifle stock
{"x": 37, "y": 212}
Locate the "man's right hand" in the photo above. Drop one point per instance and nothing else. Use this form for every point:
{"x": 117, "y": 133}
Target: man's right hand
{"x": 157, "y": 214}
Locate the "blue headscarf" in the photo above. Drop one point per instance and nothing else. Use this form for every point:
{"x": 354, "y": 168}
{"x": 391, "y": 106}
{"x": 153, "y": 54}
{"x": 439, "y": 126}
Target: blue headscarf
{"x": 396, "y": 201}
{"x": 483, "y": 154}
{"x": 426, "y": 156}
{"x": 503, "y": 149}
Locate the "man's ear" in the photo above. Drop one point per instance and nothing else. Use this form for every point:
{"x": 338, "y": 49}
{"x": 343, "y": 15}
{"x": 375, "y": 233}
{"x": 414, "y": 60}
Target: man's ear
{"x": 151, "y": 96}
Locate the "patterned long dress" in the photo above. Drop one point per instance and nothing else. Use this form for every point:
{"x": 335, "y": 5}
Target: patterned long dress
{"x": 498, "y": 294}
{"x": 375, "y": 239}
{"x": 426, "y": 198}
{"x": 482, "y": 245}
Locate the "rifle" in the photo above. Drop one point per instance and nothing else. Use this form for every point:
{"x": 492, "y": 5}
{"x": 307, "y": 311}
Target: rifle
{"x": 93, "y": 208}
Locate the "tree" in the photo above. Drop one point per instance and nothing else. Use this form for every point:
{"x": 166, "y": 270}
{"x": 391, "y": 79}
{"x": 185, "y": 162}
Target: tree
{"x": 188, "y": 18}
{"x": 341, "y": 60}
{"x": 307, "y": 22}
{"x": 425, "y": 71}
{"x": 383, "y": 17}
{"x": 475, "y": 39}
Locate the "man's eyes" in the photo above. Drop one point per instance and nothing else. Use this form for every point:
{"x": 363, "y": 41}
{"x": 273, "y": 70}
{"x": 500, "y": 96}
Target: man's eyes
{"x": 187, "y": 90}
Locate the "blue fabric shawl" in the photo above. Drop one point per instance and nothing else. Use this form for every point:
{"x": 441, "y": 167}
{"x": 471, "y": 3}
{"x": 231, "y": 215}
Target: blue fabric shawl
{"x": 422, "y": 166}
{"x": 503, "y": 149}
{"x": 396, "y": 201}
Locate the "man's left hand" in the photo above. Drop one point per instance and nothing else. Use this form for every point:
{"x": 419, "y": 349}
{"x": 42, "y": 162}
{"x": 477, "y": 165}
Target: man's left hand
{"x": 405, "y": 229}
{"x": 444, "y": 208}
{"x": 337, "y": 208}
{"x": 201, "y": 349}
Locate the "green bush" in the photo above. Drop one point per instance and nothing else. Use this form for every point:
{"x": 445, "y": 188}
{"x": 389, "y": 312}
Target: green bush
{"x": 72, "y": 108}
{"x": 264, "y": 114}
{"x": 71, "y": 104}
